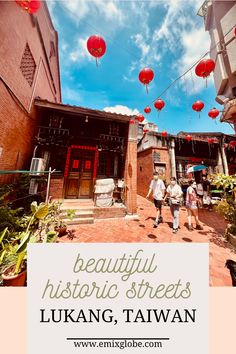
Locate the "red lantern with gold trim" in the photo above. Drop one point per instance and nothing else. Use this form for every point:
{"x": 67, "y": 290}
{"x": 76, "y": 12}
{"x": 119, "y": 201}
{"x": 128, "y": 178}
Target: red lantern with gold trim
{"x": 146, "y": 75}
{"x": 31, "y": 6}
{"x": 147, "y": 109}
{"x": 96, "y": 46}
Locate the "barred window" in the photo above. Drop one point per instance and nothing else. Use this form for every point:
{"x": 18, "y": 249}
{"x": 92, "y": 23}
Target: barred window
{"x": 28, "y": 65}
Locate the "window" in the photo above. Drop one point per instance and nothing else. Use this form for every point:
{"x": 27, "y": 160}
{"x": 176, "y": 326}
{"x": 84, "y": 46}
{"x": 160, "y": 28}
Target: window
{"x": 28, "y": 66}
{"x": 102, "y": 164}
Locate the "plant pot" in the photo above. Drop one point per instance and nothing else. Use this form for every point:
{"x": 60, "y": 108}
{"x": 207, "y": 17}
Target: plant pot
{"x": 13, "y": 280}
{"x": 62, "y": 230}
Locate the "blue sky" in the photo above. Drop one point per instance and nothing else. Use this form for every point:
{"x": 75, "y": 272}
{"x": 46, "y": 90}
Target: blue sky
{"x": 167, "y": 36}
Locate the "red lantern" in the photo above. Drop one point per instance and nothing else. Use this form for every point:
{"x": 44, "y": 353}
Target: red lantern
{"x": 232, "y": 144}
{"x": 146, "y": 75}
{"x": 198, "y": 106}
{"x": 188, "y": 137}
{"x": 96, "y": 46}
{"x": 210, "y": 140}
{"x": 140, "y": 118}
{"x": 205, "y": 67}
{"x": 159, "y": 104}
{"x": 31, "y": 6}
{"x": 213, "y": 113}
{"x": 145, "y": 131}
{"x": 164, "y": 134}
{"x": 147, "y": 109}
{"x": 132, "y": 121}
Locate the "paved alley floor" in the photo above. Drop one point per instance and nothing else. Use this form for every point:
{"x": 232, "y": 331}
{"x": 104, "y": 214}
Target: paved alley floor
{"x": 121, "y": 230}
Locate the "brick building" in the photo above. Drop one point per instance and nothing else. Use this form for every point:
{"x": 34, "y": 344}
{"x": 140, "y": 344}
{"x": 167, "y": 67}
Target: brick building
{"x": 172, "y": 155}
{"x": 219, "y": 19}
{"x": 29, "y": 68}
{"x": 84, "y": 145}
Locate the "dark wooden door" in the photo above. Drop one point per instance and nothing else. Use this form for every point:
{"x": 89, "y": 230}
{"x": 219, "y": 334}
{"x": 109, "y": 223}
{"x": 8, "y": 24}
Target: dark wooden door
{"x": 80, "y": 177}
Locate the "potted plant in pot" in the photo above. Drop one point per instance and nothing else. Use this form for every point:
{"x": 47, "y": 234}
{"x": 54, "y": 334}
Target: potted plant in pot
{"x": 227, "y": 206}
{"x": 15, "y": 256}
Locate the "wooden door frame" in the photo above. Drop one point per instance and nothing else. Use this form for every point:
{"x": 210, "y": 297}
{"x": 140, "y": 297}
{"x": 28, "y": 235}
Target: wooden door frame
{"x": 81, "y": 147}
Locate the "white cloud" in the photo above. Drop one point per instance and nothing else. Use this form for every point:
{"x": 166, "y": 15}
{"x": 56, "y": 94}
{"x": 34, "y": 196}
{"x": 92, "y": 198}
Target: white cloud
{"x": 80, "y": 52}
{"x": 80, "y": 9}
{"x": 121, "y": 110}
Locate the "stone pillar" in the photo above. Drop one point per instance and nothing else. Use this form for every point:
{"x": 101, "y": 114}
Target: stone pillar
{"x": 172, "y": 158}
{"x": 224, "y": 160}
{"x": 219, "y": 162}
{"x": 131, "y": 171}
{"x": 180, "y": 168}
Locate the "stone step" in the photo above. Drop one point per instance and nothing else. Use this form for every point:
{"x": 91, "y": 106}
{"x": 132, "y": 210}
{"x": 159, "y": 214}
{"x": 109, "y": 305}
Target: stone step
{"x": 78, "y": 214}
{"x": 78, "y": 221}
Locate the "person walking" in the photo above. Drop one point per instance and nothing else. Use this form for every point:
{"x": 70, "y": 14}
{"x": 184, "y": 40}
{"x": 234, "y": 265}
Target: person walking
{"x": 191, "y": 205}
{"x": 174, "y": 193}
{"x": 200, "y": 194}
{"x": 157, "y": 189}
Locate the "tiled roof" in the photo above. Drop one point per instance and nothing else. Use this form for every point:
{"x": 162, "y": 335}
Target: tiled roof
{"x": 77, "y": 110}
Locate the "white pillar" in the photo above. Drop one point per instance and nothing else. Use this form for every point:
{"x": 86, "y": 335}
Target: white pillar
{"x": 220, "y": 162}
{"x": 224, "y": 160}
{"x": 172, "y": 158}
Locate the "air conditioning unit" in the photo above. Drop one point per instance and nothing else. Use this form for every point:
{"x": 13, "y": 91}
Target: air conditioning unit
{"x": 37, "y": 166}
{"x": 33, "y": 188}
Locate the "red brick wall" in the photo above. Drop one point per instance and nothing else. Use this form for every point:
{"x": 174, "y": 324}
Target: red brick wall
{"x": 145, "y": 168}
{"x": 144, "y": 171}
{"x": 16, "y": 135}
{"x": 56, "y": 188}
{"x": 131, "y": 177}
{"x": 17, "y": 128}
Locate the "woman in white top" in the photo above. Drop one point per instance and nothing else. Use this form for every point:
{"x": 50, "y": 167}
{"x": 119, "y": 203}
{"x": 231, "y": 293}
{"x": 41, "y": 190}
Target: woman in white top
{"x": 174, "y": 192}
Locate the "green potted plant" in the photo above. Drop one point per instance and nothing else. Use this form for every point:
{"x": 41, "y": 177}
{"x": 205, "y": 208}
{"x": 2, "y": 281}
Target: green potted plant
{"x": 15, "y": 256}
{"x": 227, "y": 206}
